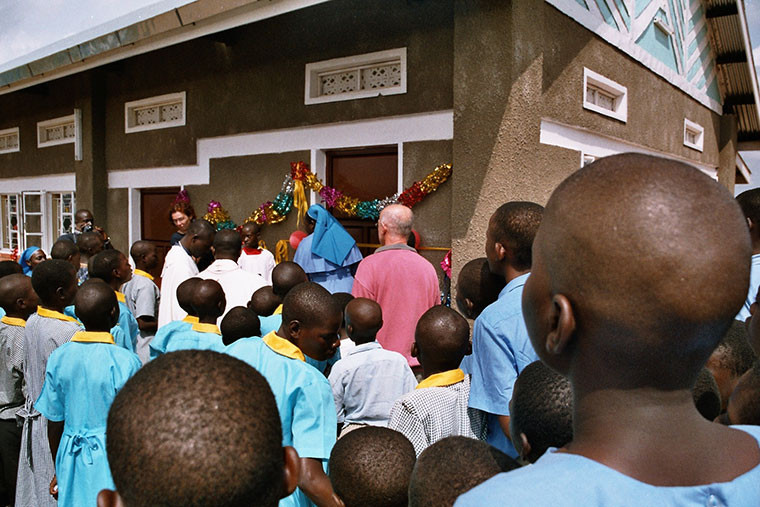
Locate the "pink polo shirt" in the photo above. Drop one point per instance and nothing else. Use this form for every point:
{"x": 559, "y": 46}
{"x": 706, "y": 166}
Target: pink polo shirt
{"x": 405, "y": 285}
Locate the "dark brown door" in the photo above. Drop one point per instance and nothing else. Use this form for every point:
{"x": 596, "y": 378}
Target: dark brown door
{"x": 156, "y": 225}
{"x": 367, "y": 173}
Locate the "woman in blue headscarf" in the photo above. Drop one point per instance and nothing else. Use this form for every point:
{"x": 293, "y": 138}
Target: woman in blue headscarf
{"x": 30, "y": 258}
{"x": 329, "y": 254}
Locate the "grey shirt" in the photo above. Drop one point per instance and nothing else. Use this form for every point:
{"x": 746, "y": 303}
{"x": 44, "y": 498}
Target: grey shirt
{"x": 11, "y": 368}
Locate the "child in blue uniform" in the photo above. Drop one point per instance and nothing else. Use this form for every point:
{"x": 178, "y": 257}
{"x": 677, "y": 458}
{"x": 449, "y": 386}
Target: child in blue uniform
{"x": 632, "y": 336}
{"x": 165, "y": 333}
{"x": 81, "y": 380}
{"x": 304, "y": 399}
{"x": 208, "y": 302}
{"x": 240, "y": 322}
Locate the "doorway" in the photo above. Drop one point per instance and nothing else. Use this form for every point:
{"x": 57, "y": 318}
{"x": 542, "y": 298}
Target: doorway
{"x": 155, "y": 223}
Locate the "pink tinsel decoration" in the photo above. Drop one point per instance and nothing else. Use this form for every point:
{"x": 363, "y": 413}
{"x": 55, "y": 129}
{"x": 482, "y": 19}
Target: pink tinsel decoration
{"x": 446, "y": 264}
{"x": 212, "y": 205}
{"x": 330, "y": 196}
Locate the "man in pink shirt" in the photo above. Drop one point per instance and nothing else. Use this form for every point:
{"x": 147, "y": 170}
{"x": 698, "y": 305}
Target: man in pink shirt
{"x": 399, "y": 279}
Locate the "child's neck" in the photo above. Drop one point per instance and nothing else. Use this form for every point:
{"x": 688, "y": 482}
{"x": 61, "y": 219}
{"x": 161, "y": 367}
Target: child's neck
{"x": 142, "y": 267}
{"x": 433, "y": 369}
{"x": 55, "y": 306}
{"x": 97, "y": 329}
{"x": 208, "y": 319}
{"x": 17, "y": 315}
{"x": 363, "y": 341}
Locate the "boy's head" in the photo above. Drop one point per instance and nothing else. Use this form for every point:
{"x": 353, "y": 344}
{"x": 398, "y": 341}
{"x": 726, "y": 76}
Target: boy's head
{"x": 89, "y": 244}
{"x": 240, "y": 322}
{"x": 452, "y": 466}
{"x": 510, "y": 234}
{"x": 55, "y": 282}
{"x": 364, "y": 318}
{"x": 96, "y": 306}
{"x": 749, "y": 201}
{"x": 371, "y": 466}
{"x": 706, "y": 395}
{"x": 166, "y": 445}
{"x": 596, "y": 313}
{"x": 744, "y": 403}
{"x": 185, "y": 292}
{"x": 66, "y": 250}
{"x": 342, "y": 298}
{"x": 310, "y": 319}
{"x": 731, "y": 358}
{"x": 227, "y": 245}
{"x": 477, "y": 287}
{"x": 144, "y": 254}
{"x": 541, "y": 411}
{"x": 264, "y": 301}
{"x": 17, "y": 297}
{"x": 10, "y": 268}
{"x": 208, "y": 300}
{"x": 285, "y": 276}
{"x": 198, "y": 238}
{"x": 111, "y": 266}
{"x": 250, "y": 234}
{"x": 441, "y": 339}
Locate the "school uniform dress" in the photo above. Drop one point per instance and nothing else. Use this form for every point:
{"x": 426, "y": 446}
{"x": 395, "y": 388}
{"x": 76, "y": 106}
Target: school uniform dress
{"x": 754, "y": 283}
{"x": 178, "y": 267}
{"x": 45, "y": 331}
{"x": 238, "y": 285}
{"x": 11, "y": 401}
{"x": 257, "y": 261}
{"x": 199, "y": 337}
{"x": 166, "y": 333}
{"x": 142, "y": 296}
{"x": 569, "y": 479}
{"x": 437, "y": 409}
{"x": 272, "y": 322}
{"x": 501, "y": 349}
{"x": 81, "y": 381}
{"x": 367, "y": 382}
{"x": 304, "y": 399}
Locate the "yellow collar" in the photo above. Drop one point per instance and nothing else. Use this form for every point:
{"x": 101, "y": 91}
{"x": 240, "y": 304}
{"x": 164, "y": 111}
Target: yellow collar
{"x": 13, "y": 321}
{"x": 206, "y": 328}
{"x": 277, "y": 311}
{"x": 443, "y": 379}
{"x": 143, "y": 273}
{"x": 283, "y": 346}
{"x": 121, "y": 297}
{"x": 93, "y": 337}
{"x": 190, "y": 319}
{"x": 52, "y": 314}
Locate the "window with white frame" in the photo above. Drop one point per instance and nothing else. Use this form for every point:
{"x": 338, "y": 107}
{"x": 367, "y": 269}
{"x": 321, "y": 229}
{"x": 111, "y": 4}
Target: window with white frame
{"x": 9, "y": 140}
{"x": 693, "y": 135}
{"x": 356, "y": 77}
{"x": 34, "y": 218}
{"x": 10, "y": 216}
{"x": 163, "y": 111}
{"x": 56, "y": 131}
{"x": 604, "y": 96}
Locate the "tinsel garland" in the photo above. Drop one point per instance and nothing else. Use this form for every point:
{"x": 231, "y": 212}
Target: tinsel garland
{"x": 292, "y": 194}
{"x": 218, "y": 216}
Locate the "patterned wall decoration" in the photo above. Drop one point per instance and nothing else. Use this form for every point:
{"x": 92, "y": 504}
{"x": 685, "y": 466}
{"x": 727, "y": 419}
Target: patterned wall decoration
{"x": 667, "y": 36}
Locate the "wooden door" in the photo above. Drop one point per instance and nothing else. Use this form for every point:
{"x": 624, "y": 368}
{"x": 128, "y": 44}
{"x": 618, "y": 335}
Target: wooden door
{"x": 367, "y": 173}
{"x": 155, "y": 222}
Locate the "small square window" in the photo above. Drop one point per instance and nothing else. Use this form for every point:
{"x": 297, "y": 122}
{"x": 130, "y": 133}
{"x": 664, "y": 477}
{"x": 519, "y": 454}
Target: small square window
{"x": 604, "y": 96}
{"x": 9, "y": 140}
{"x": 57, "y": 131}
{"x": 693, "y": 135}
{"x": 153, "y": 113}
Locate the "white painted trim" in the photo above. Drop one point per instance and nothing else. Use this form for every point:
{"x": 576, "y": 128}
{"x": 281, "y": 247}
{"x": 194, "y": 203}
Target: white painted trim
{"x": 698, "y": 130}
{"x": 400, "y": 173}
{"x": 741, "y": 165}
{"x": 169, "y": 98}
{"x": 617, "y": 90}
{"x": 50, "y": 183}
{"x": 432, "y": 126}
{"x": 78, "y": 135}
{"x": 133, "y": 214}
{"x": 54, "y": 122}
{"x": 592, "y": 143}
{"x": 11, "y": 131}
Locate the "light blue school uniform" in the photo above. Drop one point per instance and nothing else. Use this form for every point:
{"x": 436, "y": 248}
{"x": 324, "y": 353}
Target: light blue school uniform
{"x": 501, "y": 349}
{"x": 82, "y": 378}
{"x": 2, "y": 313}
{"x": 198, "y": 337}
{"x": 322, "y": 365}
{"x": 303, "y": 395}
{"x": 569, "y": 479}
{"x": 166, "y": 332}
{"x": 270, "y": 323}
{"x": 754, "y": 283}
{"x": 122, "y": 331}
{"x": 128, "y": 322}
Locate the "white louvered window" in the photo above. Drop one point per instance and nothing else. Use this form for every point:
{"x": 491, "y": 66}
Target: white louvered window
{"x": 9, "y": 140}
{"x": 604, "y": 96}
{"x": 693, "y": 135}
{"x": 56, "y": 131}
{"x": 356, "y": 77}
{"x": 160, "y": 112}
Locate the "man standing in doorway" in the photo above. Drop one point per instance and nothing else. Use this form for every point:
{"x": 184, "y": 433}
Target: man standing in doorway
{"x": 402, "y": 281}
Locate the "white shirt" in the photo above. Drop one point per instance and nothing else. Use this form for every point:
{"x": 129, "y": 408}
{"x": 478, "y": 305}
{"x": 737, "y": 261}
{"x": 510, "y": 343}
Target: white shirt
{"x": 260, "y": 264}
{"x": 367, "y": 382}
{"x": 178, "y": 267}
{"x": 238, "y": 285}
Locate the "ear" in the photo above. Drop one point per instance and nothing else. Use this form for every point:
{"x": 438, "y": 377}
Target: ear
{"x": 213, "y": 250}
{"x": 109, "y": 498}
{"x": 349, "y": 329}
{"x": 291, "y": 471}
{"x": 415, "y": 351}
{"x": 60, "y": 292}
{"x": 562, "y": 325}
{"x": 294, "y": 329}
{"x": 501, "y": 251}
{"x": 525, "y": 451}
{"x": 750, "y": 223}
{"x": 469, "y": 306}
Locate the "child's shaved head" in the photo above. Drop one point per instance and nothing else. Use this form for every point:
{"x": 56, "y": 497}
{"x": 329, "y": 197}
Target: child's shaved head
{"x": 452, "y": 466}
{"x": 50, "y": 278}
{"x": 96, "y": 306}
{"x": 196, "y": 428}
{"x": 185, "y": 292}
{"x": 364, "y": 318}
{"x": 731, "y": 358}
{"x": 208, "y": 299}
{"x": 706, "y": 395}
{"x": 264, "y": 301}
{"x": 285, "y": 276}
{"x": 90, "y": 243}
{"x": 477, "y": 287}
{"x": 311, "y": 319}
{"x": 371, "y": 466}
{"x": 17, "y": 297}
{"x": 441, "y": 339}
{"x": 744, "y": 404}
{"x": 240, "y": 322}
{"x": 9, "y": 268}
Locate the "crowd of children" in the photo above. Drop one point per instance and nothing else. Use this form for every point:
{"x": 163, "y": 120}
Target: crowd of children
{"x": 614, "y": 341}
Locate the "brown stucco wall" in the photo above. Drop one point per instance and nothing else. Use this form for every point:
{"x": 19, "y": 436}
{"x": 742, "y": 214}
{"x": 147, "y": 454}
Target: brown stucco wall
{"x": 117, "y": 224}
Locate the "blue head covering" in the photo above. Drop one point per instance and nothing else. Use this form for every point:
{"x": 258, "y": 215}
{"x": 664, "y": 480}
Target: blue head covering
{"x": 25, "y": 257}
{"x": 330, "y": 241}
